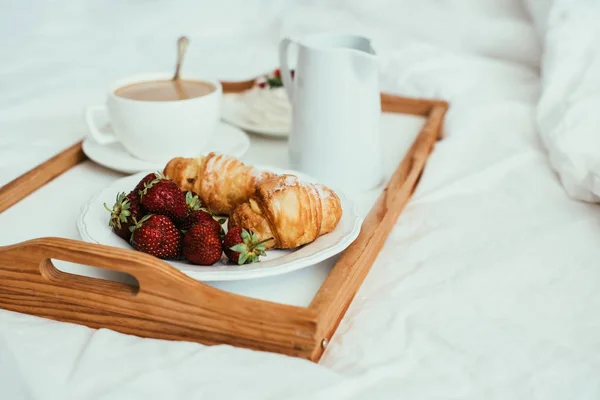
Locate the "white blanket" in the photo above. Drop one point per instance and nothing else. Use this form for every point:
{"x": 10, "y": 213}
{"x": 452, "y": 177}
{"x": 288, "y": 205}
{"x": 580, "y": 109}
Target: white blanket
{"x": 486, "y": 287}
{"x": 567, "y": 114}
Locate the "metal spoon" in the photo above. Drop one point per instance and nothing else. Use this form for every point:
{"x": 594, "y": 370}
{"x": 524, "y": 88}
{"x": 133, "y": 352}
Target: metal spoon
{"x": 182, "y": 44}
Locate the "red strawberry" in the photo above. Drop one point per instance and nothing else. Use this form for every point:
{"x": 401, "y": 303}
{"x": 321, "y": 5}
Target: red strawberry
{"x": 162, "y": 196}
{"x": 156, "y": 235}
{"x": 243, "y": 247}
{"x": 148, "y": 178}
{"x": 202, "y": 245}
{"x": 200, "y": 217}
{"x": 125, "y": 209}
{"x": 198, "y": 214}
{"x": 277, "y": 73}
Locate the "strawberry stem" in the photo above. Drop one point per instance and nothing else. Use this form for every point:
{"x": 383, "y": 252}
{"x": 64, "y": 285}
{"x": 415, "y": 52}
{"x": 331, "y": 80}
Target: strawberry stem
{"x": 262, "y": 242}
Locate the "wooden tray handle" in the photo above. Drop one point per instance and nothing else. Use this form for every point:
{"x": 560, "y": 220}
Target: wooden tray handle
{"x": 85, "y": 283}
{"x": 167, "y": 304}
{"x": 30, "y": 261}
{"x": 152, "y": 274}
{"x": 49, "y": 271}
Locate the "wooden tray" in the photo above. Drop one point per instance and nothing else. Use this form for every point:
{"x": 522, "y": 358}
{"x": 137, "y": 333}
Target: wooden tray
{"x": 168, "y": 304}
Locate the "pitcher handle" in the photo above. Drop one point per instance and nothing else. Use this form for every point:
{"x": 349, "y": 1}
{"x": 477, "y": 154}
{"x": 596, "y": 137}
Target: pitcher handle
{"x": 286, "y": 75}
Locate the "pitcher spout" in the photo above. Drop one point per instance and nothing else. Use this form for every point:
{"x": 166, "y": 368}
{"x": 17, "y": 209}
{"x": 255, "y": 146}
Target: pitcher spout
{"x": 328, "y": 42}
{"x": 358, "y": 45}
{"x": 364, "y": 61}
{"x": 370, "y": 50}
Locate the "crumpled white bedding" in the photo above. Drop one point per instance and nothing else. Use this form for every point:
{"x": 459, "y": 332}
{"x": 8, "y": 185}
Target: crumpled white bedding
{"x": 567, "y": 114}
{"x": 486, "y": 288}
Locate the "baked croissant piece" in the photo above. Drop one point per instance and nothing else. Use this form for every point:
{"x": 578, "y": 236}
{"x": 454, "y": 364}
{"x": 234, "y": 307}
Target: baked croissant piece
{"x": 221, "y": 181}
{"x": 289, "y": 211}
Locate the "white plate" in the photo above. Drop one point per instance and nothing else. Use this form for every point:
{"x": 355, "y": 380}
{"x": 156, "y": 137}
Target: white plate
{"x": 93, "y": 227}
{"x": 233, "y": 111}
{"x": 227, "y": 139}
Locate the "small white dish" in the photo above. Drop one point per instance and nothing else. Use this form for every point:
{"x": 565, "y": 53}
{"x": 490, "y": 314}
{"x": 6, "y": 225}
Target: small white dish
{"x": 227, "y": 139}
{"x": 267, "y": 117}
{"x": 93, "y": 227}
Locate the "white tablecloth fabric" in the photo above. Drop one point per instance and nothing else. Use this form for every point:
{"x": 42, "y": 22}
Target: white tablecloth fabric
{"x": 487, "y": 287}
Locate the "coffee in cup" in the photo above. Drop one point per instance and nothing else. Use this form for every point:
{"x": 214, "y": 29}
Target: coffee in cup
{"x": 166, "y": 90}
{"x": 157, "y": 119}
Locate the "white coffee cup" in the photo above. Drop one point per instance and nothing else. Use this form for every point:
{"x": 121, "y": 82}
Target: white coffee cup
{"x": 158, "y": 131}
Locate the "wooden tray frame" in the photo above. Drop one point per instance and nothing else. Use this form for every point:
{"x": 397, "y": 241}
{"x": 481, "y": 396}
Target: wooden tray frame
{"x": 168, "y": 304}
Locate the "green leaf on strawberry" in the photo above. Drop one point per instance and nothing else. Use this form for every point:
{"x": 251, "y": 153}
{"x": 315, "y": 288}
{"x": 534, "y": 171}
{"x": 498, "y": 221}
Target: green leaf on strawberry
{"x": 274, "y": 82}
{"x": 242, "y": 246}
{"x": 193, "y": 201}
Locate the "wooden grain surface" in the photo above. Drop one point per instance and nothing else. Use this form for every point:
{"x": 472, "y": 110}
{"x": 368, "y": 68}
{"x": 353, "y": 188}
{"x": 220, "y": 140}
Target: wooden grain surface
{"x": 24, "y": 185}
{"x": 406, "y": 105}
{"x": 168, "y": 304}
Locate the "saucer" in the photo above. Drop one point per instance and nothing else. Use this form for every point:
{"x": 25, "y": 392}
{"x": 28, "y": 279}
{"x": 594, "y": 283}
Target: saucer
{"x": 227, "y": 139}
{"x": 259, "y": 115}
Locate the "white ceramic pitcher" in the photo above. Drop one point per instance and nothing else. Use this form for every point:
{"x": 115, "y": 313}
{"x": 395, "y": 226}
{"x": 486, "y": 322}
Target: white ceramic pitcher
{"x": 336, "y": 109}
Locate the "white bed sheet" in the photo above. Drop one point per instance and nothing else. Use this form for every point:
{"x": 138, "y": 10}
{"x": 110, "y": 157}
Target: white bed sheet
{"x": 486, "y": 288}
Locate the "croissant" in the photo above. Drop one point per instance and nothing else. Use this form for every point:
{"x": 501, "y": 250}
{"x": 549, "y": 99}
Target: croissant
{"x": 221, "y": 181}
{"x": 289, "y": 211}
